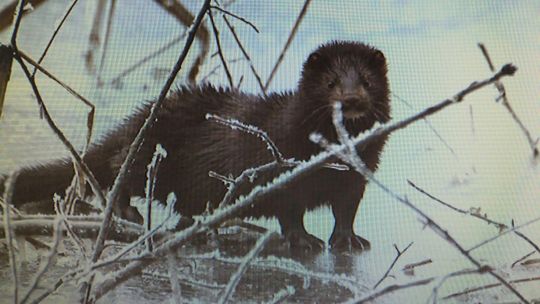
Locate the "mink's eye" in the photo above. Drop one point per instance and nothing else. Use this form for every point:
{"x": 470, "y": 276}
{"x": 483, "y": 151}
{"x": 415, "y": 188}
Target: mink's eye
{"x": 366, "y": 83}
{"x": 331, "y": 84}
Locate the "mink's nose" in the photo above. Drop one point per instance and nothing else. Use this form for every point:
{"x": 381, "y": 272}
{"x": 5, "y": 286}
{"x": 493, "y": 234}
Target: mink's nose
{"x": 354, "y": 103}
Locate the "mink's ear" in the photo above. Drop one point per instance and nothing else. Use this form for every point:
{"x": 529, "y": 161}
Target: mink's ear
{"x": 314, "y": 58}
{"x": 378, "y": 57}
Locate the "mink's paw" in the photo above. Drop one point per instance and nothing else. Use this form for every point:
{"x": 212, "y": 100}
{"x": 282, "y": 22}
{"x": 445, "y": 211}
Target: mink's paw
{"x": 131, "y": 214}
{"x": 348, "y": 242}
{"x": 303, "y": 241}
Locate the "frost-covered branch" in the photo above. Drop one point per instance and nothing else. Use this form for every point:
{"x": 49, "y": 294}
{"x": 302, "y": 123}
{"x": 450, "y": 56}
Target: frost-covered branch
{"x": 235, "y": 278}
{"x": 57, "y": 237}
{"x": 9, "y": 233}
{"x": 151, "y": 175}
{"x": 253, "y": 130}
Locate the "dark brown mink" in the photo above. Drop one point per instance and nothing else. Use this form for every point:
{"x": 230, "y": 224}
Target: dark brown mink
{"x": 348, "y": 72}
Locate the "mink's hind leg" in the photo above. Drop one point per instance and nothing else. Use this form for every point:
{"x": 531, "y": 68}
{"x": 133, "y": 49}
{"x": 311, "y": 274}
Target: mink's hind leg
{"x": 292, "y": 227}
{"x": 344, "y": 208}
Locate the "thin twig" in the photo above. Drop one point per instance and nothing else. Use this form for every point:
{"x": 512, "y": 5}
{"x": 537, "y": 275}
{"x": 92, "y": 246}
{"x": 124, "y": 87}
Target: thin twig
{"x": 409, "y": 268}
{"x": 151, "y": 176}
{"x": 182, "y": 14}
{"x": 50, "y": 258}
{"x": 53, "y": 36}
{"x": 489, "y": 286}
{"x": 8, "y": 230}
{"x": 139, "y": 63}
{"x": 226, "y": 12}
{"x": 287, "y": 44}
{"x": 512, "y": 229}
{"x": 500, "y": 226}
{"x": 235, "y": 278}
{"x": 442, "y": 280}
{"x": 506, "y": 104}
{"x": 522, "y": 258}
{"x": 398, "y": 255}
{"x": 246, "y": 55}
{"x": 90, "y": 116}
{"x": 430, "y": 126}
{"x": 220, "y": 52}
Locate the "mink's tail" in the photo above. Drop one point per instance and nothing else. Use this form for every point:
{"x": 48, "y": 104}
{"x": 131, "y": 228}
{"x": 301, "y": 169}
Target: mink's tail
{"x": 41, "y": 182}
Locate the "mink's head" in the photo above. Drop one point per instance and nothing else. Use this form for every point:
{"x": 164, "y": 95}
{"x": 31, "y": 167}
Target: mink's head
{"x": 351, "y": 73}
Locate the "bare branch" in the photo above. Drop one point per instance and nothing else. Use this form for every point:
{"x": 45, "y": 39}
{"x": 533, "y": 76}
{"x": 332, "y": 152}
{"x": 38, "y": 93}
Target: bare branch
{"x": 226, "y": 12}
{"x": 430, "y": 126}
{"x": 220, "y": 52}
{"x": 398, "y": 255}
{"x": 288, "y": 43}
{"x": 489, "y": 286}
{"x": 246, "y": 55}
{"x": 235, "y": 278}
{"x": 506, "y": 104}
{"x": 396, "y": 287}
{"x": 178, "y": 11}
{"x": 516, "y": 228}
{"x": 500, "y": 226}
{"x": 55, "y": 32}
{"x": 409, "y": 268}
{"x": 522, "y": 258}
{"x": 90, "y": 116}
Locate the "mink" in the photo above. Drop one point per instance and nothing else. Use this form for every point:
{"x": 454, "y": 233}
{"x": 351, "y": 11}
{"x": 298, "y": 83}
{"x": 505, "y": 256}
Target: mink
{"x": 352, "y": 73}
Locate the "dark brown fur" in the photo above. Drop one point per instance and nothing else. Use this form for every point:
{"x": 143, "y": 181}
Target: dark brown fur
{"x": 350, "y": 72}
